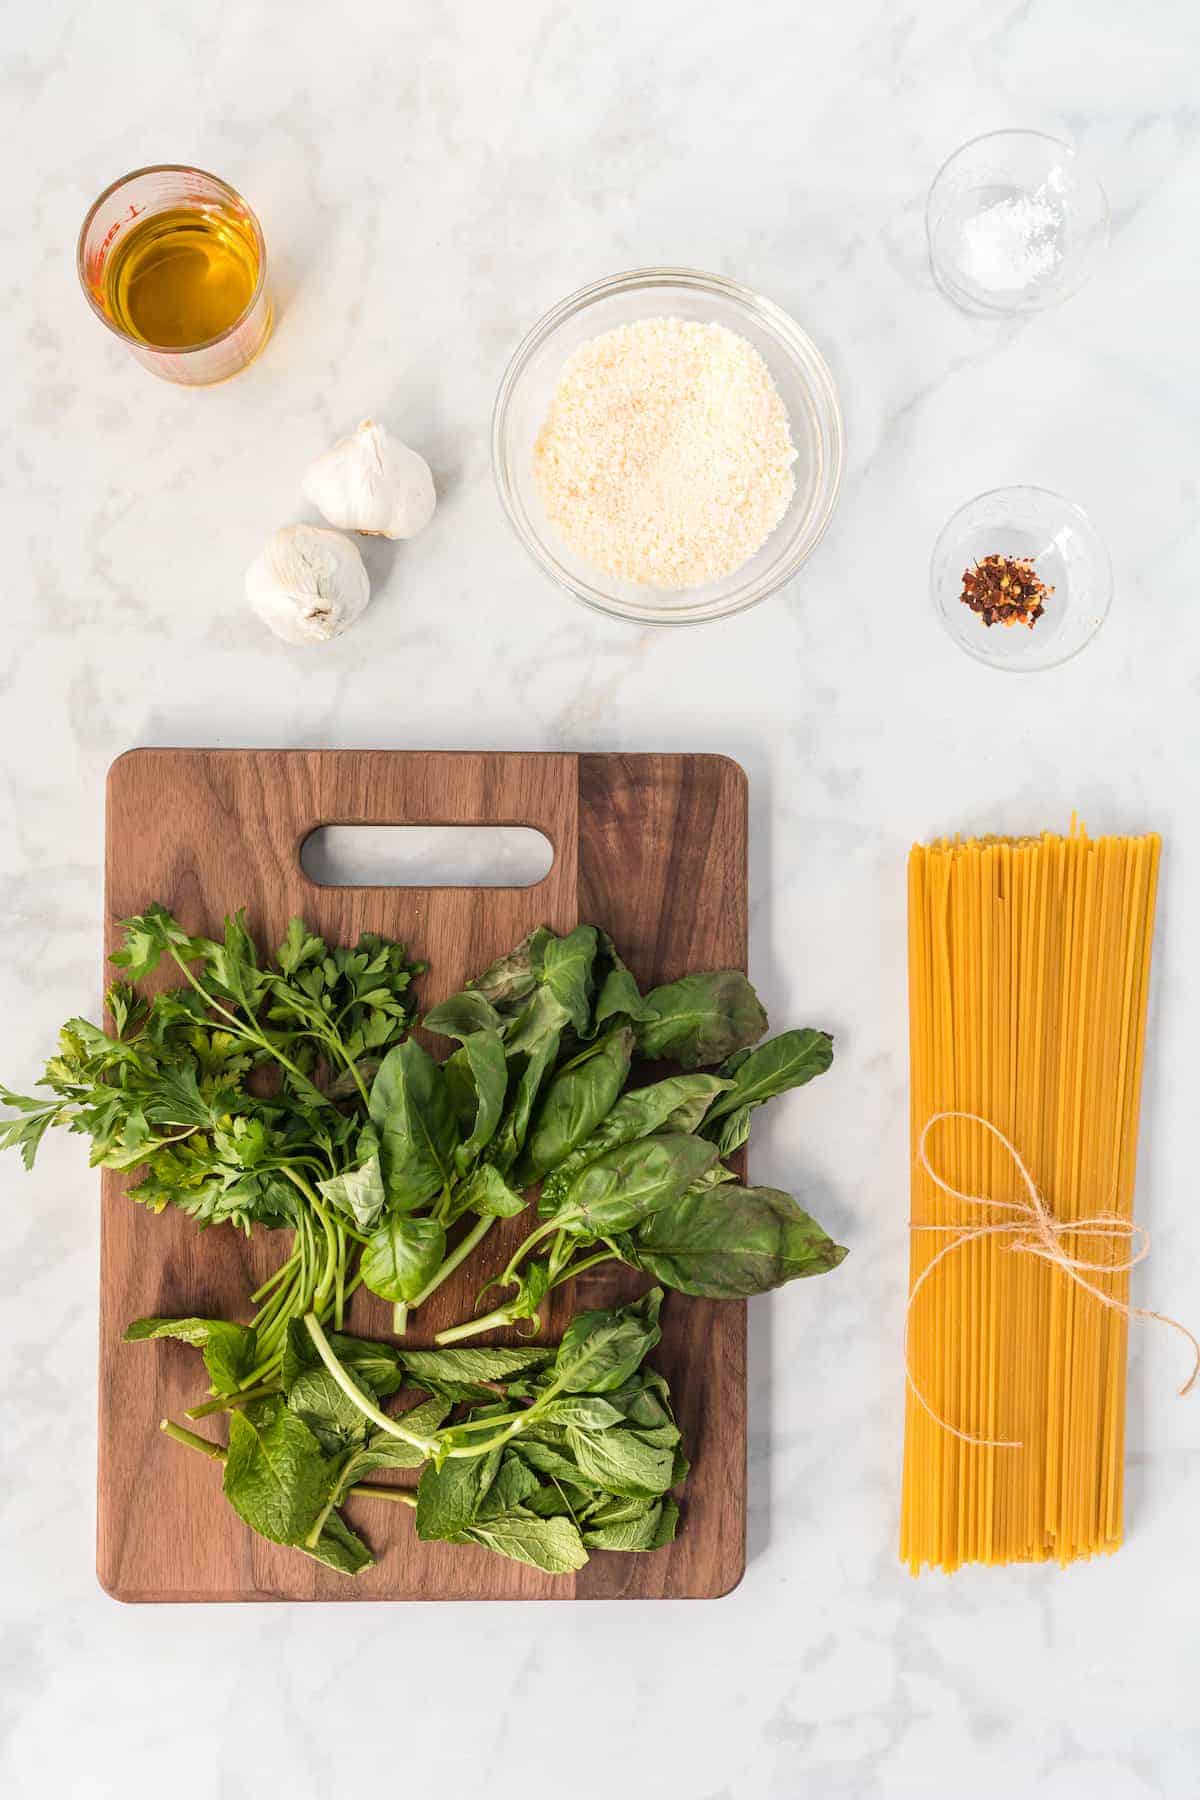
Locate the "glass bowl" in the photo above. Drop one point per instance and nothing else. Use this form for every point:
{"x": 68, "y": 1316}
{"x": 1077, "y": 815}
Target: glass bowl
{"x": 1060, "y": 540}
{"x": 799, "y": 372}
{"x": 1016, "y": 222}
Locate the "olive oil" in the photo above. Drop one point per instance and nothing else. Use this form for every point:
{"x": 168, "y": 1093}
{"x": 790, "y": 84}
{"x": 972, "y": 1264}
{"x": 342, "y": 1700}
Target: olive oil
{"x": 181, "y": 277}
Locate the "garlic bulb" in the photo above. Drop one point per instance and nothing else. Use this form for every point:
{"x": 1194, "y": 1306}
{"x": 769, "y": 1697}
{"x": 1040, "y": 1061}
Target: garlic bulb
{"x": 308, "y": 585}
{"x": 372, "y": 483}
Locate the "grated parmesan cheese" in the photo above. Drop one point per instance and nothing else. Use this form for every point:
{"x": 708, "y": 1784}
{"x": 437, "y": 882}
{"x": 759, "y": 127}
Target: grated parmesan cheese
{"x": 665, "y": 457}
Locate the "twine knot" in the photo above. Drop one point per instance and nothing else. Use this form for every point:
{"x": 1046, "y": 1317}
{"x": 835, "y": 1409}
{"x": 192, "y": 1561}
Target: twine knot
{"x": 1032, "y": 1230}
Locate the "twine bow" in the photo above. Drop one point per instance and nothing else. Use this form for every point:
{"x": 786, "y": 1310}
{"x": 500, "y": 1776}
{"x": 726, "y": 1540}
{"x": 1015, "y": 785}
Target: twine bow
{"x": 1032, "y": 1230}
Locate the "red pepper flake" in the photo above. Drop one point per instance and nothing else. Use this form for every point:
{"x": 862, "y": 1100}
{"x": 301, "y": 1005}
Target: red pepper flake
{"x": 1004, "y": 590}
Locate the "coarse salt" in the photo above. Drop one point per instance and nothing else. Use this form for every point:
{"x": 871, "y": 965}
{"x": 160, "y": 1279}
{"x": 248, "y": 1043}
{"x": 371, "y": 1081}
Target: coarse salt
{"x": 666, "y": 456}
{"x": 1012, "y": 243}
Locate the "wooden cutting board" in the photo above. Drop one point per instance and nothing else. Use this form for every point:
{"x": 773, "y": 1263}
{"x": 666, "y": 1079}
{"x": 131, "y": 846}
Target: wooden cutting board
{"x": 654, "y": 848}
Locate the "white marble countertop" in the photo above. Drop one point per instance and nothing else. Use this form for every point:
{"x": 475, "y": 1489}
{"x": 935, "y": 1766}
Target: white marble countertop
{"x": 432, "y": 176}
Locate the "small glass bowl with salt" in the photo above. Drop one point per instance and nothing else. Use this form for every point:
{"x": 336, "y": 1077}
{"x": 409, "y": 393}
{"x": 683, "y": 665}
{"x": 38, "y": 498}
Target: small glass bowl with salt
{"x": 1016, "y": 222}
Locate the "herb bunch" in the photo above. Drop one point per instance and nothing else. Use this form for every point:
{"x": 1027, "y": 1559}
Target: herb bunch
{"x": 627, "y": 1173}
{"x": 536, "y": 1454}
{"x": 286, "y": 1092}
{"x": 237, "y": 1094}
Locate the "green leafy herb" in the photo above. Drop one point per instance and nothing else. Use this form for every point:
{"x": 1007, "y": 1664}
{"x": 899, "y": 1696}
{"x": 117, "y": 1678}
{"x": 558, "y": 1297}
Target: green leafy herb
{"x": 228, "y": 1349}
{"x": 399, "y": 1258}
{"x": 730, "y": 1241}
{"x": 701, "y": 1019}
{"x": 575, "y": 1102}
{"x": 277, "y": 1477}
{"x": 418, "y": 1133}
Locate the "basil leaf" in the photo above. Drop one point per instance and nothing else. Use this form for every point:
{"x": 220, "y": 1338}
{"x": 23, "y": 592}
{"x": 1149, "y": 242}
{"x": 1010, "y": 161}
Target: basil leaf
{"x": 731, "y": 1132}
{"x": 618, "y": 994}
{"x": 276, "y": 1476}
{"x": 600, "y": 1350}
{"x": 509, "y": 1140}
{"x": 486, "y": 1192}
{"x": 358, "y": 1193}
{"x": 463, "y": 1015}
{"x": 784, "y": 1062}
{"x": 477, "y": 1081}
{"x": 566, "y": 970}
{"x": 730, "y": 1241}
{"x": 531, "y": 1289}
{"x": 575, "y": 1102}
{"x": 399, "y": 1258}
{"x": 228, "y": 1349}
{"x": 701, "y": 1019}
{"x": 678, "y": 1103}
{"x": 418, "y": 1133}
{"x": 513, "y": 976}
{"x": 339, "y": 1548}
{"x": 622, "y": 1186}
{"x": 550, "y": 1544}
{"x": 543, "y": 1017}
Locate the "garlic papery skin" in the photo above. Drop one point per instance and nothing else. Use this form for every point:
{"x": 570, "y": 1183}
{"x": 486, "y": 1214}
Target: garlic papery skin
{"x": 372, "y": 483}
{"x": 309, "y": 584}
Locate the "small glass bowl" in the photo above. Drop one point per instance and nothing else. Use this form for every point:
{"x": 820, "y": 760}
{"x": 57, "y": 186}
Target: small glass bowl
{"x": 973, "y": 198}
{"x": 799, "y": 372}
{"x": 1068, "y": 555}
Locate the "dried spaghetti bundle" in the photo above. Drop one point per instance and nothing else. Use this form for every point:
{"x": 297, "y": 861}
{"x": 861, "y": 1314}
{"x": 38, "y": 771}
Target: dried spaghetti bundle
{"x": 1028, "y": 969}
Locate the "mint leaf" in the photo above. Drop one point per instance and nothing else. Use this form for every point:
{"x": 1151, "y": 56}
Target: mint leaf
{"x": 550, "y": 1544}
{"x": 228, "y": 1349}
{"x": 330, "y": 1414}
{"x": 448, "y": 1498}
{"x": 650, "y": 1530}
{"x": 276, "y": 1476}
{"x": 339, "y": 1548}
{"x": 622, "y": 1462}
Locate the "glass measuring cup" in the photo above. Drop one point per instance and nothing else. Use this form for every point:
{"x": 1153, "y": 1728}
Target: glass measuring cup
{"x": 178, "y": 197}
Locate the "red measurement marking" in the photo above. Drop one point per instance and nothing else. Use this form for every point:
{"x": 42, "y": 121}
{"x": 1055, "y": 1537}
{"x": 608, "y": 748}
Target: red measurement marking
{"x": 135, "y": 212}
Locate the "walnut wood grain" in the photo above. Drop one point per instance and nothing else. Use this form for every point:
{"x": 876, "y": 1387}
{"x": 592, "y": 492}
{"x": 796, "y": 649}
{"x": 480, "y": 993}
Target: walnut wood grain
{"x": 654, "y": 847}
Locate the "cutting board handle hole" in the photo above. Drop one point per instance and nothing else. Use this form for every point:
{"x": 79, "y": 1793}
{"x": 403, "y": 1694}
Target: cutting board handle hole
{"x": 503, "y": 856}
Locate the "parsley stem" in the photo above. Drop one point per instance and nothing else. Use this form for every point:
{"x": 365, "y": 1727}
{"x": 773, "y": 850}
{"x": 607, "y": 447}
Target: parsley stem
{"x": 260, "y": 1293}
{"x": 352, "y": 1066}
{"x": 355, "y": 1394}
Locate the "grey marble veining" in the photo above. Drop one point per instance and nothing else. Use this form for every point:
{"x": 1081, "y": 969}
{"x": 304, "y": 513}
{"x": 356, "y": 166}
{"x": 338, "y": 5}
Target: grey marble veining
{"x": 432, "y": 177}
